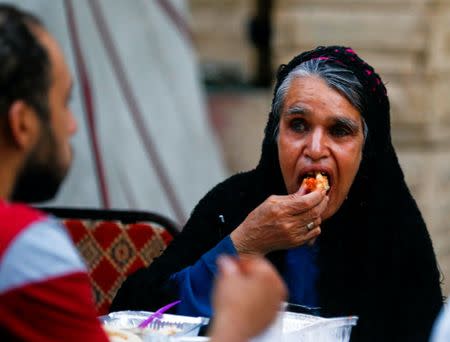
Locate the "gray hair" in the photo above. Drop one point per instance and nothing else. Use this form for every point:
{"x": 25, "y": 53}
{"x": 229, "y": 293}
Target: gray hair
{"x": 337, "y": 77}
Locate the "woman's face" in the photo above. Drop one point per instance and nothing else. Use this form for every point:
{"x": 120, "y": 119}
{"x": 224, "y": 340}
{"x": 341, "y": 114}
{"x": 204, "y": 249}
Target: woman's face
{"x": 320, "y": 131}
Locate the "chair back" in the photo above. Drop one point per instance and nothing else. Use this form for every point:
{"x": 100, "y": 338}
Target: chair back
{"x": 115, "y": 244}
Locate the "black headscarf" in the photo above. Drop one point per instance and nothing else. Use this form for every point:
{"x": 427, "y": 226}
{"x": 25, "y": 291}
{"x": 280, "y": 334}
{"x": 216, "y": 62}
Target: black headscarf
{"x": 376, "y": 259}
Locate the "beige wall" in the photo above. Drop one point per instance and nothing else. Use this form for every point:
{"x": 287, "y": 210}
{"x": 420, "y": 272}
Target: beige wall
{"x": 408, "y": 42}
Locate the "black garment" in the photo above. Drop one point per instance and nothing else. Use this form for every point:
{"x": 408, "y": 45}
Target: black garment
{"x": 376, "y": 258}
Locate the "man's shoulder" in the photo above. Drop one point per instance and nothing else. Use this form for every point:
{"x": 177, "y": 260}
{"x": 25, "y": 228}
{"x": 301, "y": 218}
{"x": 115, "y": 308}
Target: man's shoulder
{"x": 30, "y": 241}
{"x": 19, "y": 214}
{"x": 15, "y": 218}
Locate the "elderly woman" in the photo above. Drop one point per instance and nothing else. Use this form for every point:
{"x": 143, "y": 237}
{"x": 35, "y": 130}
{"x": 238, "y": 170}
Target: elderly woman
{"x": 359, "y": 248}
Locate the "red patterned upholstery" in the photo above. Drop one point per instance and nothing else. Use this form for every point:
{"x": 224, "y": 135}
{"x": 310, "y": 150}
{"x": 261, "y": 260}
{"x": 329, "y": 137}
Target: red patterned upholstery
{"x": 113, "y": 250}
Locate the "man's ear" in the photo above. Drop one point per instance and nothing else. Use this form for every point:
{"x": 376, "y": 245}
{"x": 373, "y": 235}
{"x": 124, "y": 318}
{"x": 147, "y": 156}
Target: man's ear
{"x": 24, "y": 125}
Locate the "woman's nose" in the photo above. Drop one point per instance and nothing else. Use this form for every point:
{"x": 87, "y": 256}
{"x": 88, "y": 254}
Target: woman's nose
{"x": 317, "y": 146}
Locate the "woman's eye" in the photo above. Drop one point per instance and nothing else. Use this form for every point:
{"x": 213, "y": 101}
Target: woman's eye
{"x": 340, "y": 131}
{"x": 298, "y": 125}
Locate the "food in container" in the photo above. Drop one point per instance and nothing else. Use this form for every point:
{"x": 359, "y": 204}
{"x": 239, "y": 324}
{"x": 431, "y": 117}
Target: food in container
{"x": 121, "y": 335}
{"x": 167, "y": 325}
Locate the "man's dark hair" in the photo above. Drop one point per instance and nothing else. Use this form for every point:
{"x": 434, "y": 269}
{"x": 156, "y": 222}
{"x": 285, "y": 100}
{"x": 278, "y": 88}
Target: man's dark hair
{"x": 24, "y": 62}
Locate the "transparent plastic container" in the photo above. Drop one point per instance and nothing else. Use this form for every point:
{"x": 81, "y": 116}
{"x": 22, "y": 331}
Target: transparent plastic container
{"x": 159, "y": 329}
{"x": 308, "y": 328}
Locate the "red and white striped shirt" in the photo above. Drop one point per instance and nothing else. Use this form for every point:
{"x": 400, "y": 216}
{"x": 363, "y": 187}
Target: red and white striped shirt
{"x": 45, "y": 293}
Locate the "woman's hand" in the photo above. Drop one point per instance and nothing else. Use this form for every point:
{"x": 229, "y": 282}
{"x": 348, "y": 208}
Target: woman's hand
{"x": 281, "y": 222}
{"x": 247, "y": 296}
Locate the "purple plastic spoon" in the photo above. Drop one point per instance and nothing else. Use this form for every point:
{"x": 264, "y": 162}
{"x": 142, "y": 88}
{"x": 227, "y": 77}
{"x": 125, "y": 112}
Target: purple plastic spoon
{"x": 157, "y": 314}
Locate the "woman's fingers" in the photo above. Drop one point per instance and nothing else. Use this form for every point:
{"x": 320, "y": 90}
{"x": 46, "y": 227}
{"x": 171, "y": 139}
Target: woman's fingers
{"x": 279, "y": 223}
{"x": 300, "y": 203}
{"x": 316, "y": 233}
{"x": 310, "y": 226}
{"x": 302, "y": 190}
{"x": 303, "y": 214}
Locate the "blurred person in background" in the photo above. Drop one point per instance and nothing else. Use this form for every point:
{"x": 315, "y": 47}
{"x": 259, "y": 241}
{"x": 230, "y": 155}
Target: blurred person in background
{"x": 45, "y": 293}
{"x": 358, "y": 246}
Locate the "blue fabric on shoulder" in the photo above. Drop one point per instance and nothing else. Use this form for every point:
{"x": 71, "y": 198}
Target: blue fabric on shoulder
{"x": 195, "y": 282}
{"x": 301, "y": 274}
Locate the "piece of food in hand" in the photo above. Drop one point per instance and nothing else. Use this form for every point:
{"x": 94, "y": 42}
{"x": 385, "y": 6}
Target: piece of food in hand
{"x": 320, "y": 181}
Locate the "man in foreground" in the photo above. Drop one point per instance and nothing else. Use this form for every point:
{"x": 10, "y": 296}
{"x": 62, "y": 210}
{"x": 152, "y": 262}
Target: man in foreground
{"x": 45, "y": 293}
{"x": 44, "y": 289}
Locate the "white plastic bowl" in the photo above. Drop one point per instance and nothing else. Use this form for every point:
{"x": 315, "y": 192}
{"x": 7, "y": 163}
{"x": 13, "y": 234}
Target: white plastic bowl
{"x": 306, "y": 328}
{"x": 185, "y": 325}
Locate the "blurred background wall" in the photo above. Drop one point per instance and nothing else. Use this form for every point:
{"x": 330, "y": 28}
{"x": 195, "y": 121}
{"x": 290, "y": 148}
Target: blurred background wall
{"x": 241, "y": 42}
